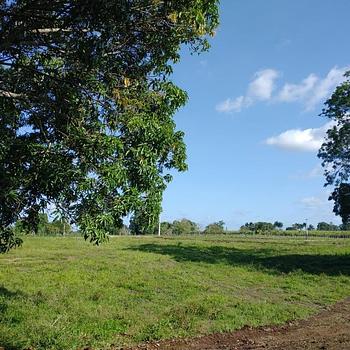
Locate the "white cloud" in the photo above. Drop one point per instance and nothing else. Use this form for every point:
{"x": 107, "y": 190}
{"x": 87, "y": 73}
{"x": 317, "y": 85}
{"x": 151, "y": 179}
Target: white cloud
{"x": 230, "y": 105}
{"x": 310, "y": 91}
{"x": 326, "y": 86}
{"x": 295, "y": 92}
{"x": 313, "y": 89}
{"x": 300, "y": 140}
{"x": 260, "y": 89}
{"x": 262, "y": 86}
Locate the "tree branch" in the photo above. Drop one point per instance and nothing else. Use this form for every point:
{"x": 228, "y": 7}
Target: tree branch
{"x": 56, "y": 30}
{"x": 10, "y": 94}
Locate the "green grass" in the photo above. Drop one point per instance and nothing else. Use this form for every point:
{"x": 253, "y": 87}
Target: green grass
{"x": 301, "y": 233}
{"x": 63, "y": 293}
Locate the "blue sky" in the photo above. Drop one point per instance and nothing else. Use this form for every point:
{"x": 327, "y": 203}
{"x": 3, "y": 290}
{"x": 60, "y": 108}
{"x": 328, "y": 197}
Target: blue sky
{"x": 252, "y": 125}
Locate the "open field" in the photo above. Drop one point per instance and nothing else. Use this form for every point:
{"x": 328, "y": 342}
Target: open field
{"x": 327, "y": 330}
{"x": 63, "y": 293}
{"x": 302, "y": 233}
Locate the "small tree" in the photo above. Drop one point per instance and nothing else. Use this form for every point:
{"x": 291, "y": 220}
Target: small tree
{"x": 263, "y": 226}
{"x": 344, "y": 227}
{"x": 184, "y": 226}
{"x": 142, "y": 224}
{"x": 248, "y": 227}
{"x": 215, "y": 228}
{"x": 166, "y": 228}
{"x": 260, "y": 226}
{"x": 324, "y": 226}
{"x": 298, "y": 226}
{"x": 278, "y": 225}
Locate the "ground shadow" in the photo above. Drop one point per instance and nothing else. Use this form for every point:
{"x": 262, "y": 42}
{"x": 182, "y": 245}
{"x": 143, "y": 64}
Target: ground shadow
{"x": 270, "y": 260}
{"x": 8, "y": 346}
{"x": 5, "y": 296}
{"x": 4, "y": 292}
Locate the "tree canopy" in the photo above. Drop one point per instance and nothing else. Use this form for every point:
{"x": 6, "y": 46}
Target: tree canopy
{"x": 86, "y": 106}
{"x": 140, "y": 224}
{"x": 335, "y": 151}
{"x": 184, "y": 226}
{"x": 341, "y": 198}
{"x": 260, "y": 226}
{"x": 325, "y": 226}
{"x": 215, "y": 228}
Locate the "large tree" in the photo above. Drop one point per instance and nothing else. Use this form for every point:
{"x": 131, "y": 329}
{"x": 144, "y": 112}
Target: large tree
{"x": 86, "y": 106}
{"x": 341, "y": 198}
{"x": 335, "y": 151}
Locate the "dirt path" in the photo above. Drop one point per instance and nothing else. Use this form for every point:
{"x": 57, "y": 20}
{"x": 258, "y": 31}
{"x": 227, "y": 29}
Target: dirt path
{"x": 329, "y": 330}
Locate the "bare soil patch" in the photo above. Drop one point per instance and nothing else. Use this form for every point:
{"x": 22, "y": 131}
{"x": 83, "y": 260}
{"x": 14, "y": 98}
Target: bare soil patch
{"x": 328, "y": 330}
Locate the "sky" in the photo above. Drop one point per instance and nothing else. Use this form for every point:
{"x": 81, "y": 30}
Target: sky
{"x": 252, "y": 122}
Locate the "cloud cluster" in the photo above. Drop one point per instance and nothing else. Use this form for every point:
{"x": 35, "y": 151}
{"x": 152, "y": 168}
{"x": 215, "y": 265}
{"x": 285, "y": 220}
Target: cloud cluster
{"x": 260, "y": 89}
{"x": 313, "y": 90}
{"x": 235, "y": 105}
{"x": 301, "y": 139}
{"x": 310, "y": 91}
{"x": 297, "y": 92}
{"x": 263, "y": 85}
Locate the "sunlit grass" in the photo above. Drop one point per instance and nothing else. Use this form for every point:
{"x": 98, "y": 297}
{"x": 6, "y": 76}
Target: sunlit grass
{"x": 63, "y": 293}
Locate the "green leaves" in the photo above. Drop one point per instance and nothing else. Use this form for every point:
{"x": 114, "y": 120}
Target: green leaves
{"x": 87, "y": 118}
{"x": 8, "y": 240}
{"x": 335, "y": 151}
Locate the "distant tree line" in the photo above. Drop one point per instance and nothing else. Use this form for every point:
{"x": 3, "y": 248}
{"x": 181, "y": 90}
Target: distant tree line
{"x": 267, "y": 226}
{"x": 56, "y": 227}
{"x": 261, "y": 226}
{"x": 177, "y": 227}
{"x": 188, "y": 227}
{"x": 138, "y": 226}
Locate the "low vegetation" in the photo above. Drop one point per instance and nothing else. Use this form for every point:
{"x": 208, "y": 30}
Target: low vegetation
{"x": 64, "y": 293}
{"x": 59, "y": 227}
{"x": 297, "y": 233}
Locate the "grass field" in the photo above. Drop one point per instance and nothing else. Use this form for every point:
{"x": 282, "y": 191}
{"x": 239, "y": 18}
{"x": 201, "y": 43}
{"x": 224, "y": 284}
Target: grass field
{"x": 63, "y": 293}
{"x": 301, "y": 233}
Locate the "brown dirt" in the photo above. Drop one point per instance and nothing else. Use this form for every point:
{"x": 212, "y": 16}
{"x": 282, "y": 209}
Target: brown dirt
{"x": 329, "y": 330}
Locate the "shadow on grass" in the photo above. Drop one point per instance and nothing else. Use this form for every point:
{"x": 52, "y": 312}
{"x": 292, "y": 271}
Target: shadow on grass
{"x": 5, "y": 296}
{"x": 263, "y": 259}
{"x": 4, "y": 292}
{"x": 8, "y": 346}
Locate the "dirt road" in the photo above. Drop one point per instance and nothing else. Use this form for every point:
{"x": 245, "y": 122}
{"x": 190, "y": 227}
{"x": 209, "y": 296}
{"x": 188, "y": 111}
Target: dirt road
{"x": 329, "y": 330}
